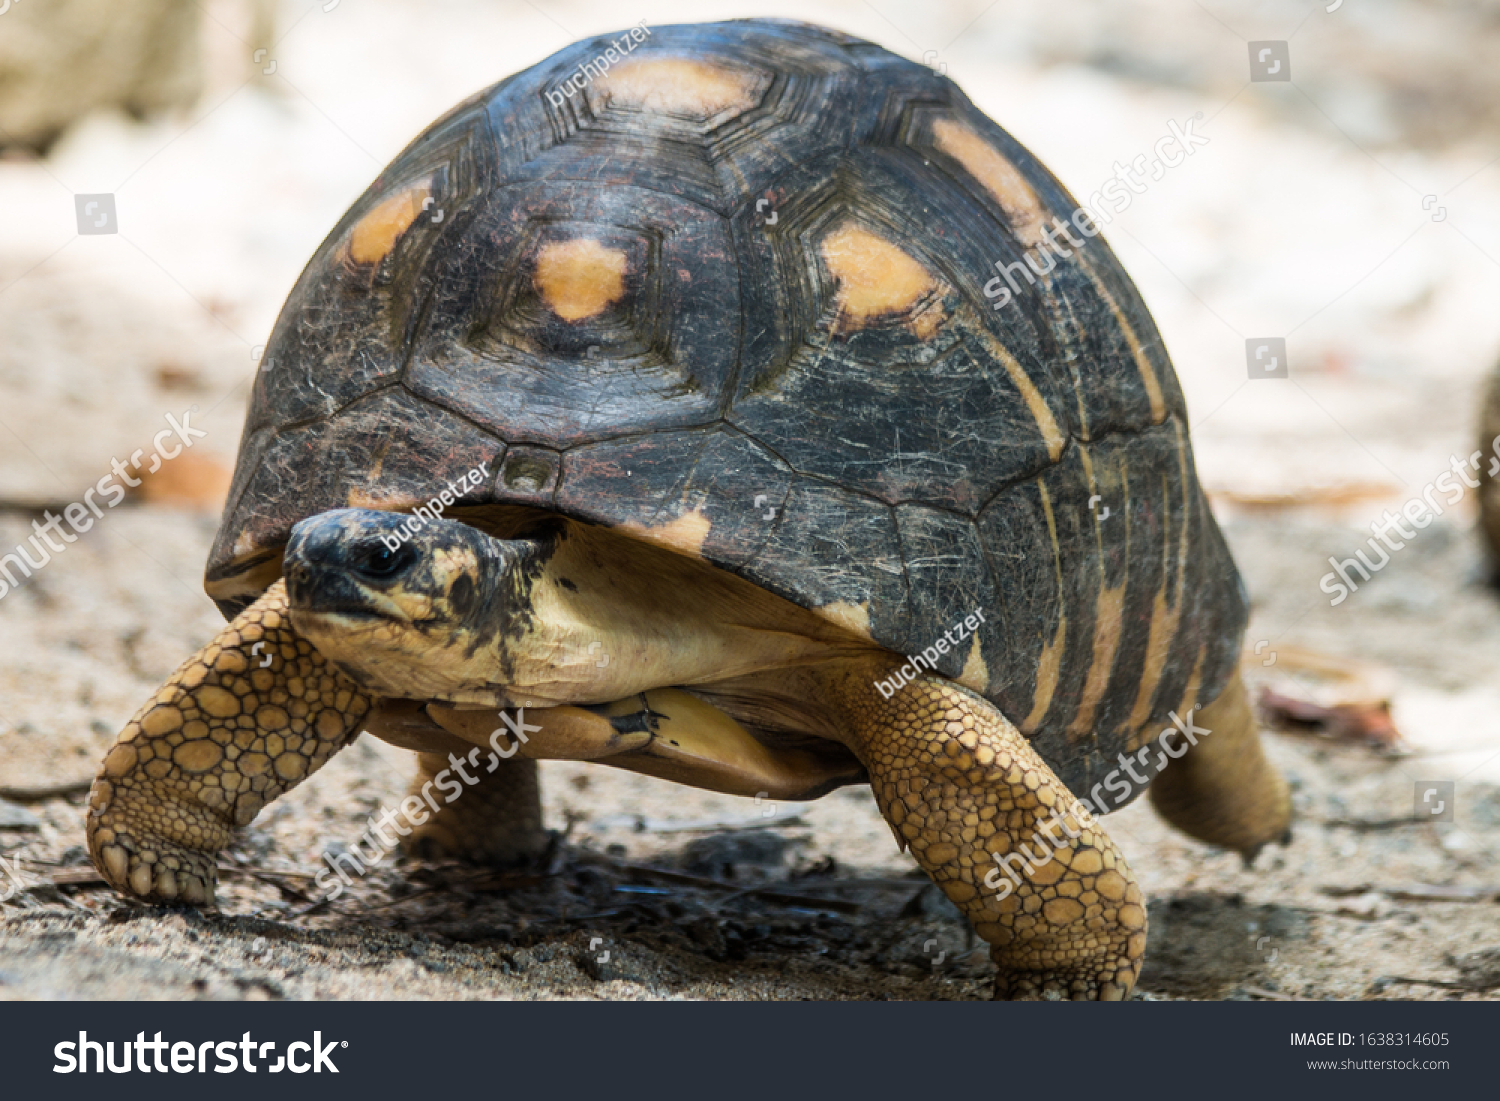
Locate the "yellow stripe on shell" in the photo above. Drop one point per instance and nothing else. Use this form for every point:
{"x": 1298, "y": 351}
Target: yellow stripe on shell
{"x": 1049, "y": 666}
{"x": 975, "y": 673}
{"x": 852, "y": 617}
{"x": 1142, "y": 360}
{"x": 1002, "y": 179}
{"x": 1041, "y": 412}
{"x": 685, "y": 534}
{"x": 1109, "y": 612}
{"x": 1165, "y": 620}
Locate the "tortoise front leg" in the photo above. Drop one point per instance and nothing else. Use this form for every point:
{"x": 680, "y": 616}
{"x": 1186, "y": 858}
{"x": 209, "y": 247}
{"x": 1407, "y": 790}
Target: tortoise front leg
{"x": 229, "y": 732}
{"x": 1000, "y": 834}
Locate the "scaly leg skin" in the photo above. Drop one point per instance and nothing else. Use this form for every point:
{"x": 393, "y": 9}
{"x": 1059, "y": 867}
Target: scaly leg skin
{"x": 1223, "y": 790}
{"x": 497, "y": 820}
{"x": 961, "y": 785}
{"x": 229, "y": 732}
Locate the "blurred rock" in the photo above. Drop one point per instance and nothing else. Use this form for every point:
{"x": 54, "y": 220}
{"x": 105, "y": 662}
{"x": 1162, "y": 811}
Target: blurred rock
{"x": 1420, "y": 72}
{"x": 1371, "y": 906}
{"x": 60, "y": 59}
{"x": 14, "y": 817}
{"x": 717, "y": 855}
{"x": 929, "y": 902}
{"x": 1478, "y": 970}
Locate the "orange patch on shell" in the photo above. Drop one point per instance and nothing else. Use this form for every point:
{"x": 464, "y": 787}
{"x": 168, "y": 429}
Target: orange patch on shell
{"x": 579, "y": 278}
{"x": 374, "y": 235}
{"x": 1003, "y": 180}
{"x": 874, "y": 276}
{"x": 850, "y": 616}
{"x": 683, "y": 87}
{"x": 975, "y": 673}
{"x": 368, "y": 496}
{"x": 684, "y": 534}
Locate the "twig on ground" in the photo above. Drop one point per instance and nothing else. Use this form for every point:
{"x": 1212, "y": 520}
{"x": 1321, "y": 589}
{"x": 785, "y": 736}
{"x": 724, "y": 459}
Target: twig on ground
{"x": 1271, "y": 995}
{"x": 1367, "y": 824}
{"x": 1447, "y": 984}
{"x": 641, "y": 824}
{"x": 42, "y": 794}
{"x": 769, "y": 894}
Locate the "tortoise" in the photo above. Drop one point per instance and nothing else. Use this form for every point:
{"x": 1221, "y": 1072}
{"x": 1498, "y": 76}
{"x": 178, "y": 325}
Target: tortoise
{"x": 669, "y": 392}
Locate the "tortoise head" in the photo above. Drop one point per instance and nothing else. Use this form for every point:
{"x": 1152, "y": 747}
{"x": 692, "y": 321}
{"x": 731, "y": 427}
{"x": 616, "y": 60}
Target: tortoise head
{"x": 406, "y": 606}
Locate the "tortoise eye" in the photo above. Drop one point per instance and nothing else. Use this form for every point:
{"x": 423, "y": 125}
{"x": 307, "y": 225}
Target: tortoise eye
{"x": 382, "y": 563}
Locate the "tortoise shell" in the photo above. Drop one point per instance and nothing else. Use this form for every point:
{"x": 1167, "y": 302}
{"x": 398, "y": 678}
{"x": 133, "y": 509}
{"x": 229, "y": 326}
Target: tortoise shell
{"x": 725, "y": 287}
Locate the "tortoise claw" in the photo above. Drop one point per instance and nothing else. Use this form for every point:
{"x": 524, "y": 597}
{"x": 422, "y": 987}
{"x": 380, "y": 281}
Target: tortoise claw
{"x": 155, "y": 870}
{"x": 1249, "y": 855}
{"x": 1061, "y": 986}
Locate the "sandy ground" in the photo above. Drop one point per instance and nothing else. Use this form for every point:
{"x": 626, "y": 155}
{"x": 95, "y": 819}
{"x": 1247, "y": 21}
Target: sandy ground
{"x": 1294, "y": 221}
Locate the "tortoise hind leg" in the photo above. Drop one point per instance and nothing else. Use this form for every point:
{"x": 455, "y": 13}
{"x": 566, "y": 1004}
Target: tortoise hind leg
{"x": 1000, "y": 834}
{"x": 496, "y": 820}
{"x": 466, "y": 801}
{"x": 1223, "y": 790}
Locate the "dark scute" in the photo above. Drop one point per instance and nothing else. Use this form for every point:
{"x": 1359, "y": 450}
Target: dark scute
{"x": 1014, "y": 534}
{"x": 660, "y": 357}
{"x": 1079, "y": 564}
{"x": 253, "y": 446}
{"x": 358, "y": 318}
{"x": 387, "y": 450}
{"x": 1139, "y": 478}
{"x": 882, "y": 409}
{"x": 813, "y": 546}
{"x": 732, "y": 482}
{"x": 1067, "y": 332}
{"x": 811, "y": 90}
{"x": 945, "y": 559}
